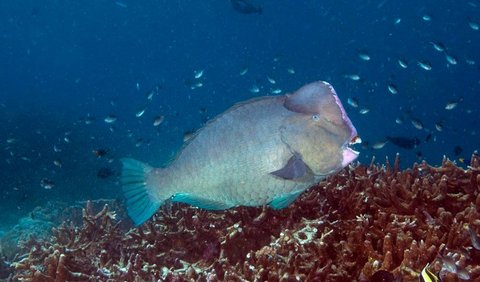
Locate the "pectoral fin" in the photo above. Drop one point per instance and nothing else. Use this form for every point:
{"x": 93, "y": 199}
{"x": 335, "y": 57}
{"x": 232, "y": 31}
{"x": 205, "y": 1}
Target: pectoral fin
{"x": 294, "y": 169}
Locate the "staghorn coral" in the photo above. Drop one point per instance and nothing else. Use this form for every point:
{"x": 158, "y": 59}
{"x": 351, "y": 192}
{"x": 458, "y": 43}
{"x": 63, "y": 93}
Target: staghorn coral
{"x": 367, "y": 221}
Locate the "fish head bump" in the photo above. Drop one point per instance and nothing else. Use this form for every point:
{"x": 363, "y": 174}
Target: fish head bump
{"x": 319, "y": 129}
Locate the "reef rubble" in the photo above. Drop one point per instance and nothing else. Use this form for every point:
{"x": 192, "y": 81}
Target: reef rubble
{"x": 361, "y": 224}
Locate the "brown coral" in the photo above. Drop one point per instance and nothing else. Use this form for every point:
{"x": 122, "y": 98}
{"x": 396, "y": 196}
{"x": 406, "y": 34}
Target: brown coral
{"x": 366, "y": 220}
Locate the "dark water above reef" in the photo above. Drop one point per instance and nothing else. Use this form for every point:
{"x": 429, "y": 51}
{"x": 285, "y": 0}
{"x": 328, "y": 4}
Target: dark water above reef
{"x": 83, "y": 82}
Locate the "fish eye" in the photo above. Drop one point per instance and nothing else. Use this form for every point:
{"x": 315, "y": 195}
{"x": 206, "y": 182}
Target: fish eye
{"x": 316, "y": 117}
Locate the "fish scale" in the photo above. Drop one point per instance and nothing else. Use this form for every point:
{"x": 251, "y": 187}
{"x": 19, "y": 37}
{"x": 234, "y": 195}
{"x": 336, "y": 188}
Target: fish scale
{"x": 247, "y": 154}
{"x": 266, "y": 150}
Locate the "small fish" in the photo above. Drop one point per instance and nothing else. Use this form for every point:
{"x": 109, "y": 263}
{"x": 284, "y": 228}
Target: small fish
{"x": 150, "y": 95}
{"x": 11, "y": 140}
{"x": 121, "y": 4}
{"x": 426, "y": 275}
{"x": 399, "y": 120}
{"x": 353, "y": 102}
{"x": 110, "y": 119}
{"x": 24, "y": 158}
{"x": 244, "y": 71}
{"x": 158, "y": 120}
{"x": 397, "y": 21}
{"x": 276, "y": 91}
{"x": 139, "y": 142}
{"x": 439, "y": 126}
{"x": 417, "y": 124}
{"x": 67, "y": 139}
{"x": 474, "y": 25}
{"x": 364, "y": 111}
{"x": 58, "y": 163}
{"x": 56, "y": 149}
{"x": 451, "y": 105}
{"x": 469, "y": 61}
{"x": 271, "y": 80}
{"x": 392, "y": 88}
{"x": 426, "y": 17}
{"x": 438, "y": 46}
{"x": 425, "y": 65}
{"x": 364, "y": 56}
{"x": 379, "y": 145}
{"x": 403, "y": 63}
{"x": 429, "y": 219}
{"x": 353, "y": 77}
{"x": 451, "y": 59}
{"x": 448, "y": 263}
{"x": 246, "y": 7}
{"x": 464, "y": 161}
{"x": 457, "y": 150}
{"x": 474, "y": 238}
{"x": 463, "y": 274}
{"x": 100, "y": 152}
{"x": 291, "y": 71}
{"x": 46, "y": 183}
{"x": 404, "y": 142}
{"x": 193, "y": 84}
{"x": 137, "y": 85}
{"x": 140, "y": 112}
{"x": 89, "y": 119}
{"x": 198, "y": 74}
{"x": 254, "y": 89}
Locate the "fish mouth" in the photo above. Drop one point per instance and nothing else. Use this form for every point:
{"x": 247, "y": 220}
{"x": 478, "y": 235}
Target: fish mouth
{"x": 349, "y": 155}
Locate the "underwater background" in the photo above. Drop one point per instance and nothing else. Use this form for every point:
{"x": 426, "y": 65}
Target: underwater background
{"x": 84, "y": 83}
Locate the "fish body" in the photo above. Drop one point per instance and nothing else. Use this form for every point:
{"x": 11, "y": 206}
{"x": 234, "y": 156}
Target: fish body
{"x": 404, "y": 142}
{"x": 403, "y": 63}
{"x": 263, "y": 151}
{"x": 426, "y": 275}
{"x": 246, "y": 7}
{"x": 425, "y": 65}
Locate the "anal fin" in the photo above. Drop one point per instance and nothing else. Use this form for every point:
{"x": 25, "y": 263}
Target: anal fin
{"x": 282, "y": 201}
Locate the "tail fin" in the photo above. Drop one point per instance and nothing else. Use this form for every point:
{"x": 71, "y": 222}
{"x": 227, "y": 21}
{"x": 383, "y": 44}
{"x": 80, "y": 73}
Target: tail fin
{"x": 141, "y": 204}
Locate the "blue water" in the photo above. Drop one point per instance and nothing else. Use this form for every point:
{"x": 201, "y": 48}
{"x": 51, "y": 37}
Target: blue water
{"x": 63, "y": 62}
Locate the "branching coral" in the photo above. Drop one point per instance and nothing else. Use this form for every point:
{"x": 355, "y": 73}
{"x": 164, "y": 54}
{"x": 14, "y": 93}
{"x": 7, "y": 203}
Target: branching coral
{"x": 365, "y": 222}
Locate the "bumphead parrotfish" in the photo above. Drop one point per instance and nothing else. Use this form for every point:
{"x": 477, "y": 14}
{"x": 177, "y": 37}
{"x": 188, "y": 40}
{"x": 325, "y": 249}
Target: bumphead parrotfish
{"x": 267, "y": 150}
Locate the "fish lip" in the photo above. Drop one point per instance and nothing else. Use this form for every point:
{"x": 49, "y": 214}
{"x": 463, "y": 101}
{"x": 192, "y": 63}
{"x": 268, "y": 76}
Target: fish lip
{"x": 348, "y": 155}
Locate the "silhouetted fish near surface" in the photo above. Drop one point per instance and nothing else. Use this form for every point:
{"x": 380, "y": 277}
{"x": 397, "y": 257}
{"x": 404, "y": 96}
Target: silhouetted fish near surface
{"x": 457, "y": 150}
{"x": 404, "y": 142}
{"x": 266, "y": 150}
{"x": 100, "y": 152}
{"x": 246, "y": 7}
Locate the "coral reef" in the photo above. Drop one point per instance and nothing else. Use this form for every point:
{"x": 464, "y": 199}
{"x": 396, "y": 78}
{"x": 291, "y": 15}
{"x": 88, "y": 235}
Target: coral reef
{"x": 364, "y": 224}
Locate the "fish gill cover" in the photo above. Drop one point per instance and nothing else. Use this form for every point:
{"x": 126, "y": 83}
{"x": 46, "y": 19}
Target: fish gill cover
{"x": 85, "y": 83}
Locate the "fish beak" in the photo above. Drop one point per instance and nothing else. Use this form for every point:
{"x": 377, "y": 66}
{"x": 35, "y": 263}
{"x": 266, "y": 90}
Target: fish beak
{"x": 349, "y": 156}
{"x": 355, "y": 140}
